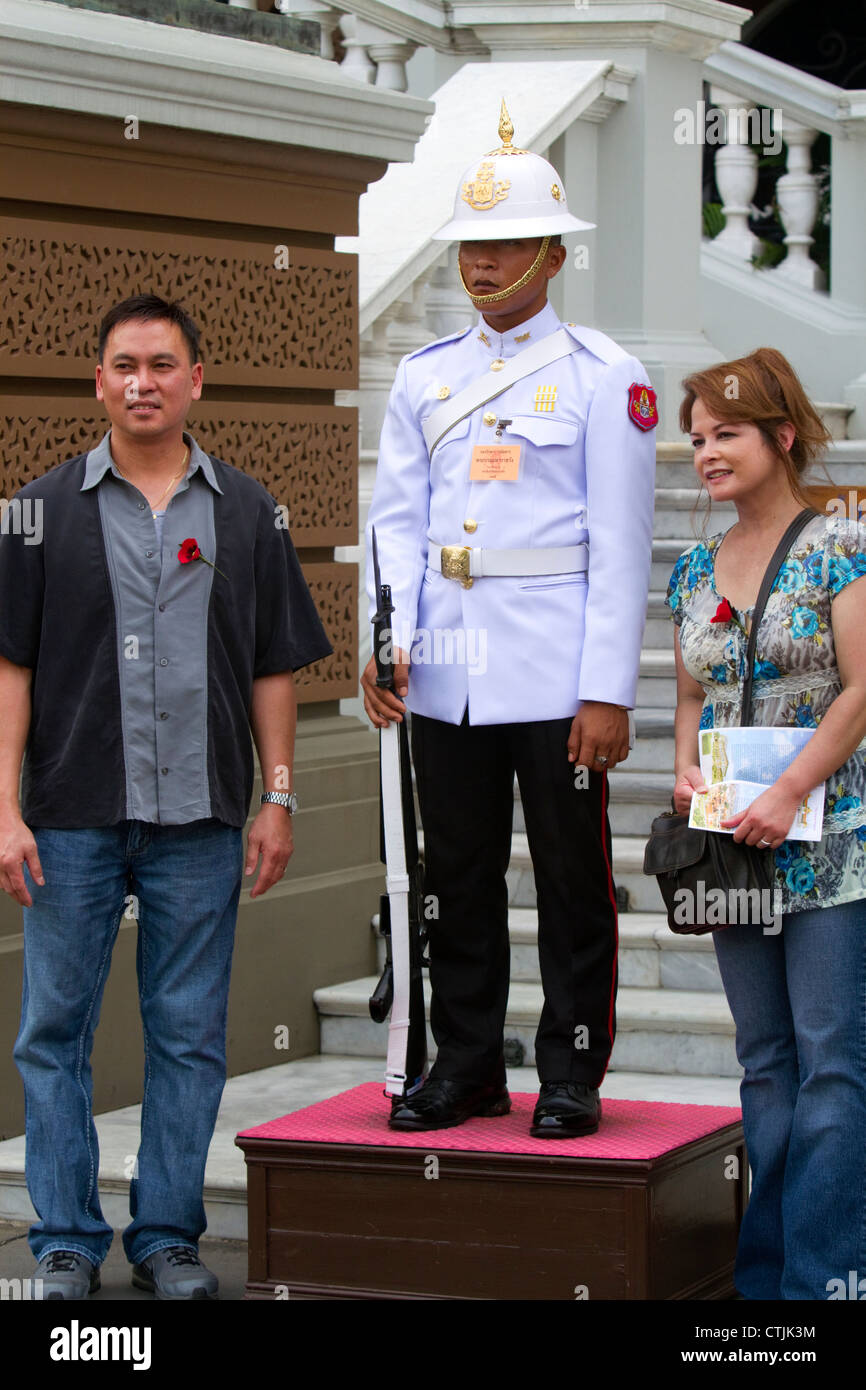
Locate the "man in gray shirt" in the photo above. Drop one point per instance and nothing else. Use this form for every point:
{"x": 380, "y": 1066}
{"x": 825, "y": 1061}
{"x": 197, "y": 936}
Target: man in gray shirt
{"x": 155, "y": 622}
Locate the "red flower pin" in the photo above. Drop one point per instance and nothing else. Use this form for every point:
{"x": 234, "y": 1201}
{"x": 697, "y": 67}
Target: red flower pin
{"x": 189, "y": 551}
{"x": 724, "y": 612}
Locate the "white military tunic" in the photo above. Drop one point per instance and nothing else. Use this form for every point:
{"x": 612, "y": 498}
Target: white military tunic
{"x": 518, "y": 649}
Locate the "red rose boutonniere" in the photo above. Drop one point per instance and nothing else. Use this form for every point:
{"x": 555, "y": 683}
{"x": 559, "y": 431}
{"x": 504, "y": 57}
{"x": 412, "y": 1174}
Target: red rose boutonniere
{"x": 724, "y": 613}
{"x": 189, "y": 551}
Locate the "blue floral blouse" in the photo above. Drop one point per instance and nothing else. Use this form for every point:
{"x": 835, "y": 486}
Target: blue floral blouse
{"x": 796, "y": 681}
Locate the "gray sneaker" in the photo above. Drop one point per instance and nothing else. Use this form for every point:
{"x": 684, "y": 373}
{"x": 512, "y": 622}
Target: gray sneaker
{"x": 66, "y": 1274}
{"x": 176, "y": 1272}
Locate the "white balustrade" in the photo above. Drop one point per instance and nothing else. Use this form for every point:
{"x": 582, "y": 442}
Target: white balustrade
{"x": 797, "y": 197}
{"x": 736, "y": 170}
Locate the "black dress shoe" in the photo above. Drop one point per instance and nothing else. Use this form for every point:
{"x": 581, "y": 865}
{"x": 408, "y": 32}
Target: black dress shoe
{"x": 441, "y": 1104}
{"x": 565, "y": 1109}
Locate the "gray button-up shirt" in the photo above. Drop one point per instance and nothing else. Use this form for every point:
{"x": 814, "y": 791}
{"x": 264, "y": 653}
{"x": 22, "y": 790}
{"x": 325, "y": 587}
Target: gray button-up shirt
{"x": 161, "y": 635}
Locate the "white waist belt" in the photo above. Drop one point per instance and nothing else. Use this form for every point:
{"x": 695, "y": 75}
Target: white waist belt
{"x": 470, "y": 562}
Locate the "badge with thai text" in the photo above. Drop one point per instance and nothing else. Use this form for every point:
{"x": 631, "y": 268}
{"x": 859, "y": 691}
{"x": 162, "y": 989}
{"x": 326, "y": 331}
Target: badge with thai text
{"x": 642, "y": 407}
{"x": 495, "y": 463}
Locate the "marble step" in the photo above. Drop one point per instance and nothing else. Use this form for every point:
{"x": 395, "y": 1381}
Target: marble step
{"x": 657, "y": 683}
{"x": 688, "y": 1032}
{"x": 650, "y": 955}
{"x": 636, "y": 798}
{"x": 665, "y": 554}
{"x": 659, "y": 629}
{"x": 682, "y": 511}
{"x": 650, "y": 754}
{"x": 846, "y": 463}
{"x": 628, "y": 850}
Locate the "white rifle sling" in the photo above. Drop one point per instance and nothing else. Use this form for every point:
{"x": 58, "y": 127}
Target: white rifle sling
{"x": 487, "y": 388}
{"x": 397, "y": 885}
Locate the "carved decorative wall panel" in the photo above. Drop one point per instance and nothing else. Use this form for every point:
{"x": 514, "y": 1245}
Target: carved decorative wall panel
{"x": 335, "y": 590}
{"x": 268, "y": 316}
{"x": 304, "y": 455}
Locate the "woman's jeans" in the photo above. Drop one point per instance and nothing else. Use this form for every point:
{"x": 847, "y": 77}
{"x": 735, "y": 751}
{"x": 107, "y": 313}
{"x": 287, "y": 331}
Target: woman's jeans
{"x": 183, "y": 884}
{"x": 799, "y": 1003}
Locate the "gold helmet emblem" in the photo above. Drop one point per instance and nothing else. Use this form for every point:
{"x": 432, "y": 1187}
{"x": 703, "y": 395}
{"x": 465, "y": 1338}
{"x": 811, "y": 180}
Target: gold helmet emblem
{"x": 484, "y": 191}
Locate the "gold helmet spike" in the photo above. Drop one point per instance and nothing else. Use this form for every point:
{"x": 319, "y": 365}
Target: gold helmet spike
{"x": 506, "y": 134}
{"x": 506, "y": 129}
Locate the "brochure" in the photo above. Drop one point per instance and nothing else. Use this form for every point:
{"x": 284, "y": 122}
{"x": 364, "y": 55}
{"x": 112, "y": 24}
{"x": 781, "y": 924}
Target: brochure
{"x": 739, "y": 764}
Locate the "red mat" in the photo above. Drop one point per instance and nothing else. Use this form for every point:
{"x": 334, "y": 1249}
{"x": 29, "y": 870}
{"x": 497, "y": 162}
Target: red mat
{"x": 630, "y": 1129}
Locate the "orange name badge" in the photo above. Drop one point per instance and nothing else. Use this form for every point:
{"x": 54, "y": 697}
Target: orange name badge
{"x": 495, "y": 463}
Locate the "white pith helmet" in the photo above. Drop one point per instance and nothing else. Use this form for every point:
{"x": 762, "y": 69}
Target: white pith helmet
{"x": 509, "y": 193}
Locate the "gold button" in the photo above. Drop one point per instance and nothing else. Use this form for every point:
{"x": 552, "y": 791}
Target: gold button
{"x": 489, "y": 418}
{"x": 470, "y": 525}
{"x": 497, "y": 364}
{"x": 444, "y": 392}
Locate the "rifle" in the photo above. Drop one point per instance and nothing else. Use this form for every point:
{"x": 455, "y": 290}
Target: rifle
{"x": 401, "y": 915}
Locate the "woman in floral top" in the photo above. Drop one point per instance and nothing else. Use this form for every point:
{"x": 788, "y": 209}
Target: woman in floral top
{"x": 798, "y": 995}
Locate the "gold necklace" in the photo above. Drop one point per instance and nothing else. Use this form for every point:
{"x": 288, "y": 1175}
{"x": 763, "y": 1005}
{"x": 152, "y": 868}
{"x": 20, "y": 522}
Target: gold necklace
{"x": 155, "y": 506}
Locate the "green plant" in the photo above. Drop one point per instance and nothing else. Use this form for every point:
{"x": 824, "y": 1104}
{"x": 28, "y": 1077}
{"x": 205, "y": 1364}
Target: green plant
{"x": 713, "y": 219}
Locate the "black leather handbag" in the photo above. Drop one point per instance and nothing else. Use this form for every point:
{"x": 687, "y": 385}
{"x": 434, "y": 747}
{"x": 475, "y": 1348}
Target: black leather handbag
{"x": 700, "y": 861}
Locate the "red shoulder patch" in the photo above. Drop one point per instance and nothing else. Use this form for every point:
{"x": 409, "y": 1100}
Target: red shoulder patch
{"x": 642, "y": 408}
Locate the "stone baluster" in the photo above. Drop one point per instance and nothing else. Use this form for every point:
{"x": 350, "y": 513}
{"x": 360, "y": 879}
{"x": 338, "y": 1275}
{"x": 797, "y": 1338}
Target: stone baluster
{"x": 797, "y": 197}
{"x": 448, "y": 307}
{"x": 736, "y": 170}
{"x": 356, "y": 61}
{"x": 391, "y": 60}
{"x": 324, "y": 15}
{"x": 409, "y": 328}
{"x": 376, "y": 377}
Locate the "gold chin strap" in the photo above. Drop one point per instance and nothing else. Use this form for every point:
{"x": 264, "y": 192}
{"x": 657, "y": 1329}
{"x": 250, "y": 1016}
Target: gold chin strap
{"x": 481, "y": 300}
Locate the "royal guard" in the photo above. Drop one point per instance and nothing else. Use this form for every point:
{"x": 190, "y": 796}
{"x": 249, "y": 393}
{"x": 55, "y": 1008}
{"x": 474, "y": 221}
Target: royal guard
{"x": 513, "y": 510}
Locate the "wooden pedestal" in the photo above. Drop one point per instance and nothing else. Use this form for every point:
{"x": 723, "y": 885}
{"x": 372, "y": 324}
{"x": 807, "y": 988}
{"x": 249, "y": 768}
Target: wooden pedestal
{"x": 335, "y": 1221}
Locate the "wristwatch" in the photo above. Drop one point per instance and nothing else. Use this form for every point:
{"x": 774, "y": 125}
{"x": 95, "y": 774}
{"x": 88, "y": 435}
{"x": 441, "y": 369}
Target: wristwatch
{"x": 286, "y": 799}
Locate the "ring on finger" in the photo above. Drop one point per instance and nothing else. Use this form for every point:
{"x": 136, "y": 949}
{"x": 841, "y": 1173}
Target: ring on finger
{"x": 768, "y": 843}
{"x": 600, "y": 758}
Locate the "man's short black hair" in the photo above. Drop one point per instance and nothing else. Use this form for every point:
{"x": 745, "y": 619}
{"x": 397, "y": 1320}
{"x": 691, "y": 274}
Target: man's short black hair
{"x": 148, "y": 307}
{"x": 556, "y": 240}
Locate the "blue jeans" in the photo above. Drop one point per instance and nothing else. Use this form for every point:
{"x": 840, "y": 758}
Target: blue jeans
{"x": 799, "y": 1004}
{"x": 186, "y": 883}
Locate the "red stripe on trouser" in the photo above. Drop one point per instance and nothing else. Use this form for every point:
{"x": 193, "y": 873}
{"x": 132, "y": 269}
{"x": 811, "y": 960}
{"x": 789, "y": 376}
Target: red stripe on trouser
{"x": 612, "y": 895}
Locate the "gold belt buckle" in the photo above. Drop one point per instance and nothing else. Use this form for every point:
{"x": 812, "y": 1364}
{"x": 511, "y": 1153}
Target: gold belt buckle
{"x": 455, "y": 564}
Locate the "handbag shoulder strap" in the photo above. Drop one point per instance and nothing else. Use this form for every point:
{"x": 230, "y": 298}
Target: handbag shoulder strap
{"x": 800, "y": 520}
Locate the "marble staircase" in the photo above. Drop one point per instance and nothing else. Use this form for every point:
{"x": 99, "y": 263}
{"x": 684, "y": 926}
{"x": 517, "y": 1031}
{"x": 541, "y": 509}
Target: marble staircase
{"x": 672, "y": 1016}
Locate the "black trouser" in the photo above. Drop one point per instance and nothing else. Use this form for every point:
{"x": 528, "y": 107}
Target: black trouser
{"x": 465, "y": 777}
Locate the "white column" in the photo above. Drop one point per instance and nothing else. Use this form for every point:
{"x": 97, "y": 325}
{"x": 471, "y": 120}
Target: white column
{"x": 736, "y": 170}
{"x": 797, "y": 196}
